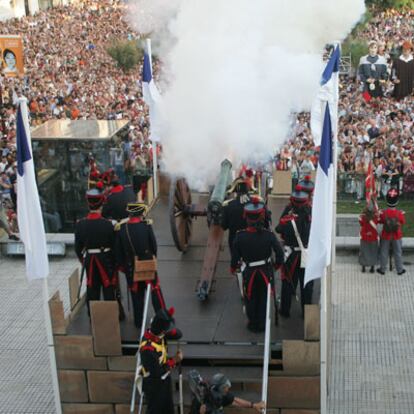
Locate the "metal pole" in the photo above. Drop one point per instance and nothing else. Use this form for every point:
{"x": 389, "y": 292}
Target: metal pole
{"x": 266, "y": 356}
{"x": 50, "y": 346}
{"x": 331, "y": 271}
{"x": 180, "y": 384}
{"x": 144, "y": 320}
{"x": 154, "y": 144}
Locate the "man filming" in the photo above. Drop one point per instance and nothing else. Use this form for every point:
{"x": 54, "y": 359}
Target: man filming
{"x": 214, "y": 396}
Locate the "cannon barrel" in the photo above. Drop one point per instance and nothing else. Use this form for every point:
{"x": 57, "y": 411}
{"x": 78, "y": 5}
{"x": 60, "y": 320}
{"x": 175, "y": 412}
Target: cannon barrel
{"x": 219, "y": 193}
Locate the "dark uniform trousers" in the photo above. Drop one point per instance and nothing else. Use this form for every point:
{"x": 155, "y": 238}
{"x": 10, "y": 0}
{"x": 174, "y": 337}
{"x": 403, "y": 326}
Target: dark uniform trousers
{"x": 157, "y": 384}
{"x": 138, "y": 290}
{"x": 136, "y": 238}
{"x": 255, "y": 282}
{"x": 292, "y": 274}
{"x": 98, "y": 277}
{"x": 255, "y": 248}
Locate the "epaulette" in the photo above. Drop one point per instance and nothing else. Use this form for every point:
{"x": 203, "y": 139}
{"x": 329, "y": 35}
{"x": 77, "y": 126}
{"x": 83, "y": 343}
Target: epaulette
{"x": 119, "y": 224}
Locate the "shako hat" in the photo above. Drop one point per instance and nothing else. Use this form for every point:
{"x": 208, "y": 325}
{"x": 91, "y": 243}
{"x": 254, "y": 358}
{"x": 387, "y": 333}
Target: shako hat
{"x": 299, "y": 198}
{"x": 95, "y": 198}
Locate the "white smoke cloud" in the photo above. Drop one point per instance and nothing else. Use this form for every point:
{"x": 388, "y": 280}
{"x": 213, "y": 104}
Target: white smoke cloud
{"x": 235, "y": 70}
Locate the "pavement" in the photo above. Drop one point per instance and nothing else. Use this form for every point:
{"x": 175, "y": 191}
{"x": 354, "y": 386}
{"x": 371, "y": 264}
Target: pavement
{"x": 372, "y": 339}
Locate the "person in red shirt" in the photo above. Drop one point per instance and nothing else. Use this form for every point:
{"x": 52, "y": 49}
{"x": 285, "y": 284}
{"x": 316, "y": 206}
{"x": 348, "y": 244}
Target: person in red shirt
{"x": 392, "y": 220}
{"x": 368, "y": 251}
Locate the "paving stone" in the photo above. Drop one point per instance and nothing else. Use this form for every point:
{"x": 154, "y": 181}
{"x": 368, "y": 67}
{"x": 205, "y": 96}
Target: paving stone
{"x": 372, "y": 339}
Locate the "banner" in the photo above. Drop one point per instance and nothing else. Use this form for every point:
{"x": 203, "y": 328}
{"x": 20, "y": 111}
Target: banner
{"x": 11, "y": 55}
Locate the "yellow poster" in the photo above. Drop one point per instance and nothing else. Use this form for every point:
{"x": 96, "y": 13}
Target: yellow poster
{"x": 11, "y": 55}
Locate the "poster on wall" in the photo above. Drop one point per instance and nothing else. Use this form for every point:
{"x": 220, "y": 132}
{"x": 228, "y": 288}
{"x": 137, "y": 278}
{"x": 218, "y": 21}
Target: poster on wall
{"x": 11, "y": 55}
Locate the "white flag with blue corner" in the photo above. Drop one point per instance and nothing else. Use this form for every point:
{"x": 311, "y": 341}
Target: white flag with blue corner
{"x": 328, "y": 93}
{"x": 320, "y": 239}
{"x": 29, "y": 214}
{"x": 151, "y": 97}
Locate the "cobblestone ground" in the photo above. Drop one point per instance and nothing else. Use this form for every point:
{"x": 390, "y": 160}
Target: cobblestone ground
{"x": 25, "y": 379}
{"x": 372, "y": 340}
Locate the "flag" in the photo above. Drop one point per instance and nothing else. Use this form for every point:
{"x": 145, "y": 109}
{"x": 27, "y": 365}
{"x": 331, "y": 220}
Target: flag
{"x": 328, "y": 93}
{"x": 29, "y": 214}
{"x": 151, "y": 97}
{"x": 320, "y": 239}
{"x": 370, "y": 189}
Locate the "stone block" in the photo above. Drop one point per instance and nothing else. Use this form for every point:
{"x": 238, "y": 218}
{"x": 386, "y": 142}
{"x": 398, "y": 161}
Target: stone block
{"x": 294, "y": 392}
{"x": 76, "y": 352}
{"x": 57, "y": 315}
{"x": 105, "y": 328}
{"x": 122, "y": 363}
{"x": 87, "y": 409}
{"x": 282, "y": 182}
{"x": 72, "y": 386}
{"x": 73, "y": 288}
{"x": 312, "y": 323}
{"x": 301, "y": 358}
{"x": 110, "y": 386}
{"x": 124, "y": 409}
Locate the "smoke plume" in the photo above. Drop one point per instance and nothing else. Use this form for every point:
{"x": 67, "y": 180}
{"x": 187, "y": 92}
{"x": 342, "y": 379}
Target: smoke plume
{"x": 234, "y": 71}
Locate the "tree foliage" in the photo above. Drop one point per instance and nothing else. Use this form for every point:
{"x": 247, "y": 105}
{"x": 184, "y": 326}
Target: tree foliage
{"x": 387, "y": 4}
{"x": 126, "y": 53}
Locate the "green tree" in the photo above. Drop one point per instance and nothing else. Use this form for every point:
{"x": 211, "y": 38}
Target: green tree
{"x": 126, "y": 54}
{"x": 386, "y": 4}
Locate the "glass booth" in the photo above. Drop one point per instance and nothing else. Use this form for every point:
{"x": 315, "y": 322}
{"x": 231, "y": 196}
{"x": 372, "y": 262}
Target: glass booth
{"x": 61, "y": 152}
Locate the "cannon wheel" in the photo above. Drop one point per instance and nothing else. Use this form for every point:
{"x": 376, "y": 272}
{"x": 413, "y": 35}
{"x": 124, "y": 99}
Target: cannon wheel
{"x": 181, "y": 220}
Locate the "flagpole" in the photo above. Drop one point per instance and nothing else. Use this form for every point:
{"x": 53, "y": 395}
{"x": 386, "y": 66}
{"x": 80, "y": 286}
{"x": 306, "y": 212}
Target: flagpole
{"x": 154, "y": 144}
{"x": 51, "y": 347}
{"x": 326, "y": 282}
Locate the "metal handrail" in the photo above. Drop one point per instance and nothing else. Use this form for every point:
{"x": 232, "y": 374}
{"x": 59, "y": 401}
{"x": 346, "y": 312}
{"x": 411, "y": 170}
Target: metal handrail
{"x": 266, "y": 356}
{"x": 144, "y": 321}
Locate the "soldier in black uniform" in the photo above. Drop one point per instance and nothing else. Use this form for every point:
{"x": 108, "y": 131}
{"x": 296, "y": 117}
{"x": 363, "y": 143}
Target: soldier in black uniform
{"x": 136, "y": 238}
{"x": 156, "y": 366}
{"x": 233, "y": 218}
{"x": 306, "y": 185}
{"x": 292, "y": 272}
{"x": 117, "y": 200}
{"x": 94, "y": 243}
{"x": 255, "y": 246}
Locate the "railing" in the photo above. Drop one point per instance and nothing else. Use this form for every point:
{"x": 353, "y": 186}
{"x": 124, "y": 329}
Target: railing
{"x": 266, "y": 355}
{"x": 350, "y": 185}
{"x": 134, "y": 385}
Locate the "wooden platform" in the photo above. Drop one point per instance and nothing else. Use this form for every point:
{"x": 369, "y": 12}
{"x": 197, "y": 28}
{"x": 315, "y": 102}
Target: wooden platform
{"x": 220, "y": 320}
{"x": 96, "y": 364}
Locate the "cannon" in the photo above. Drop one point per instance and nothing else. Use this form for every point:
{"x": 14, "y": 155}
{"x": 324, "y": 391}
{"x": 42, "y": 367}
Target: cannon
{"x": 182, "y": 212}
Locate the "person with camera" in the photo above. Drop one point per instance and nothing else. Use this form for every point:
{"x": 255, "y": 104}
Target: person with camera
{"x": 212, "y": 397}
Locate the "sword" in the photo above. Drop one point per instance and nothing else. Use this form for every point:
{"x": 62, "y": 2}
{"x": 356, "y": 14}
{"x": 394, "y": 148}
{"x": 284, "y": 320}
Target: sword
{"x": 240, "y": 283}
{"x": 81, "y": 276}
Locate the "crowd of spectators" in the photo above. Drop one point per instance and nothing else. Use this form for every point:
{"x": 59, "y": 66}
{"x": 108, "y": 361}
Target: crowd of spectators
{"x": 70, "y": 75}
{"x": 379, "y": 131}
